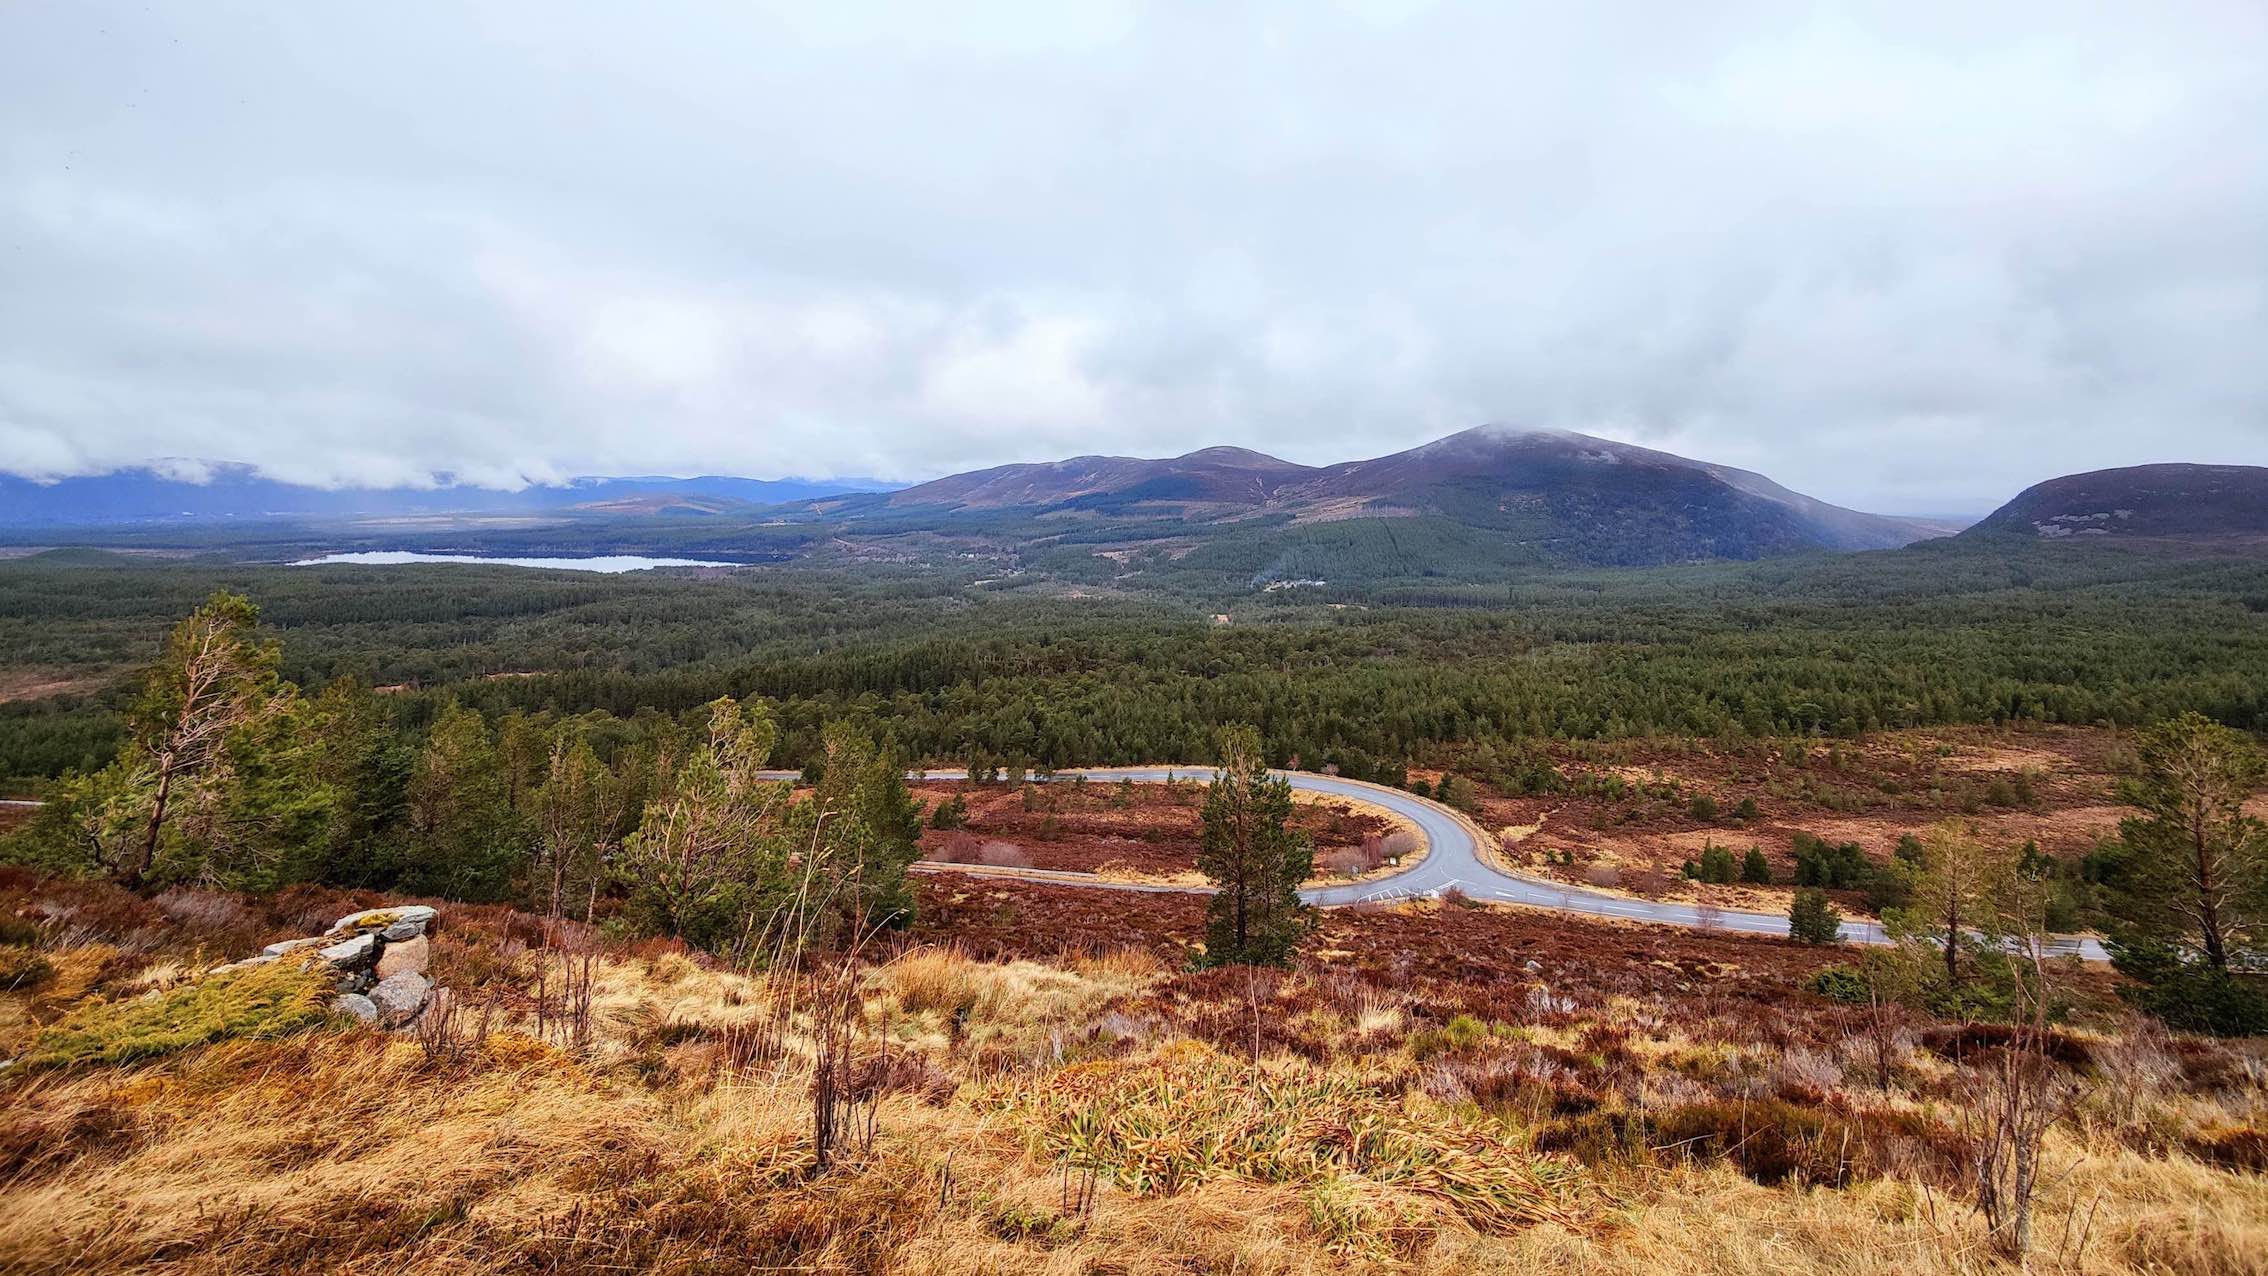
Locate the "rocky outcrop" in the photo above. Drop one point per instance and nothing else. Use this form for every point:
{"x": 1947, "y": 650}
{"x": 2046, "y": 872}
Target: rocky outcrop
{"x": 403, "y": 957}
{"x": 379, "y": 957}
{"x": 400, "y": 998}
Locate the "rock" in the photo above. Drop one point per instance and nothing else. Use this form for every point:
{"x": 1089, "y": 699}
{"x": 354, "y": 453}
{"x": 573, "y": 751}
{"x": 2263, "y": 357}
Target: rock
{"x": 407, "y": 956}
{"x": 289, "y": 946}
{"x": 400, "y": 998}
{"x": 248, "y": 963}
{"x": 381, "y": 918}
{"x": 400, "y": 931}
{"x": 354, "y": 1003}
{"x": 350, "y": 954}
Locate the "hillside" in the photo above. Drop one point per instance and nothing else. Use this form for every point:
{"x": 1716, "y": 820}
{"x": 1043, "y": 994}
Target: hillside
{"x": 1570, "y": 488}
{"x": 1214, "y": 475}
{"x": 2185, "y": 501}
{"x": 1499, "y": 493}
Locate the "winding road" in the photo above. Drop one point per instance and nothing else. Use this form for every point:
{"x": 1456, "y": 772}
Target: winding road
{"x": 1453, "y": 861}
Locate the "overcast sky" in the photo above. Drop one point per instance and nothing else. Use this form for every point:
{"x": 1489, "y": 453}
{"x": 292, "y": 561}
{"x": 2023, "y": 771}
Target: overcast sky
{"x": 1910, "y": 258}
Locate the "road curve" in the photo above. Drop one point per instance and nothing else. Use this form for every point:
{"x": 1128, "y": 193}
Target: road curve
{"x": 1453, "y": 861}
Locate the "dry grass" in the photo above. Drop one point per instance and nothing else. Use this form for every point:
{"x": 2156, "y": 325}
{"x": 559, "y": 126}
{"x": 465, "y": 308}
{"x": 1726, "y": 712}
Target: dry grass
{"x": 1080, "y": 1114}
{"x": 1374, "y": 1166}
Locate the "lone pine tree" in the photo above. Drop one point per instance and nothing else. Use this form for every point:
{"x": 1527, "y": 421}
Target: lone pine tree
{"x": 1256, "y": 916}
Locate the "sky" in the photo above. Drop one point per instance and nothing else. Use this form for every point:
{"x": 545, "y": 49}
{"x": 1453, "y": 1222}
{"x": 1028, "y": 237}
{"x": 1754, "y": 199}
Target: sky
{"x": 1909, "y": 257}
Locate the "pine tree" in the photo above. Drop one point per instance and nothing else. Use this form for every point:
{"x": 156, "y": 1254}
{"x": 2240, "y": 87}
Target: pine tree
{"x": 1814, "y": 920}
{"x": 1755, "y": 869}
{"x": 216, "y": 779}
{"x": 2194, "y": 868}
{"x": 2187, "y": 886}
{"x": 465, "y": 841}
{"x": 709, "y": 861}
{"x": 1256, "y": 862}
{"x": 577, "y": 808}
{"x": 1956, "y": 896}
{"x": 879, "y": 824}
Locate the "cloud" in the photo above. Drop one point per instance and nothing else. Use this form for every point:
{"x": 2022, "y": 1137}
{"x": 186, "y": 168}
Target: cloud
{"x": 1909, "y": 257}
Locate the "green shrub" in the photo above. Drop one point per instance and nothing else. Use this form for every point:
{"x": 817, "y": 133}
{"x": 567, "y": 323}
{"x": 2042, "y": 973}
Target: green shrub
{"x": 1888, "y": 888}
{"x": 1457, "y": 791}
{"x": 256, "y": 1002}
{"x": 1464, "y": 1032}
{"x": 1842, "y": 983}
{"x": 1704, "y": 808}
{"x": 1755, "y": 869}
{"x": 1836, "y": 867}
{"x": 952, "y": 813}
{"x": 2190, "y": 995}
{"x": 1718, "y": 864}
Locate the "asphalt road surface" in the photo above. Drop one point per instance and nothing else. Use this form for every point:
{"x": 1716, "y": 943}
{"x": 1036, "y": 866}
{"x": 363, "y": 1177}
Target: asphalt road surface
{"x": 1453, "y": 862}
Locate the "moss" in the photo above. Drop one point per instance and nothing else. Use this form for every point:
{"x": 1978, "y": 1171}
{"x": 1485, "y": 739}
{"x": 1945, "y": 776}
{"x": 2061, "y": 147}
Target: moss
{"x": 257, "y": 1002}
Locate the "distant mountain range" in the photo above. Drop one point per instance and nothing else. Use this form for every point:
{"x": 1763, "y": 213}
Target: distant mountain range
{"x": 239, "y": 492}
{"x": 2140, "y": 502}
{"x": 1571, "y": 496}
{"x": 1472, "y": 506}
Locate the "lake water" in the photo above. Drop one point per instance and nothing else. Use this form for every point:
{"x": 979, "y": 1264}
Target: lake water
{"x": 603, "y": 563}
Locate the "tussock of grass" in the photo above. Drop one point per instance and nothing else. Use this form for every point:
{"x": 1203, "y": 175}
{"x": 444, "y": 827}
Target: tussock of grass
{"x": 1186, "y": 1114}
{"x": 1769, "y": 1140}
{"x": 988, "y": 1003}
{"x": 258, "y": 1002}
{"x": 21, "y": 967}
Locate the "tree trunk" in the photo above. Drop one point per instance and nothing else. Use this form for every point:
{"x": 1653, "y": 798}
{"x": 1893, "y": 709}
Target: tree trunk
{"x": 2208, "y": 909}
{"x": 148, "y": 852}
{"x": 1952, "y": 946}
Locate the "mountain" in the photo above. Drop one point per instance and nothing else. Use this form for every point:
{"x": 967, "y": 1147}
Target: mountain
{"x": 1551, "y": 494}
{"x": 2141, "y": 501}
{"x": 1213, "y": 476}
{"x": 230, "y": 491}
{"x": 1561, "y": 483}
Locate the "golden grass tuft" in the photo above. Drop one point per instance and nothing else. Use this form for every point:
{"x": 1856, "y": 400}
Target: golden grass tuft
{"x": 1185, "y": 1115}
{"x": 990, "y": 1001}
{"x": 21, "y": 967}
